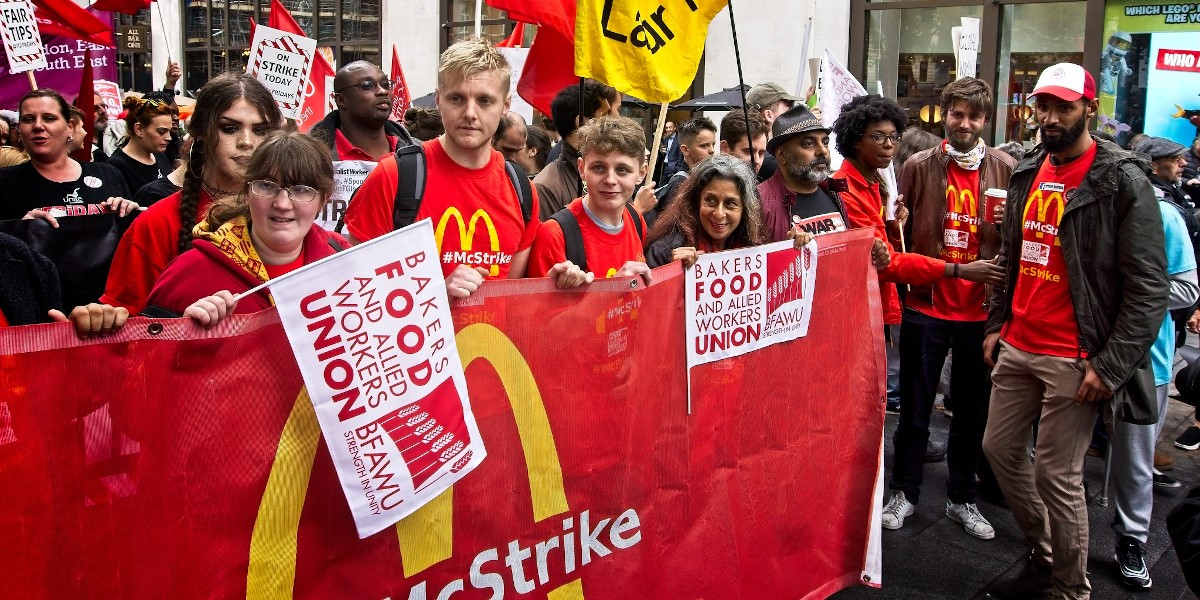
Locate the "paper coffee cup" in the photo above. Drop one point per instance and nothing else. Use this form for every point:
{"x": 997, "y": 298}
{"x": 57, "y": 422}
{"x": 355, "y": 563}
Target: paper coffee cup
{"x": 993, "y": 197}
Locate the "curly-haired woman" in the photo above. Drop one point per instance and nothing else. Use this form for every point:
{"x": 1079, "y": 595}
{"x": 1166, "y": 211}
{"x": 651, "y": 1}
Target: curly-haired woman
{"x": 143, "y": 158}
{"x": 869, "y": 131}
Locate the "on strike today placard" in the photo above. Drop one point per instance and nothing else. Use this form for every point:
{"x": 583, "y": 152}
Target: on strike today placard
{"x": 374, "y": 340}
{"x": 282, "y": 61}
{"x": 22, "y": 40}
{"x": 742, "y": 300}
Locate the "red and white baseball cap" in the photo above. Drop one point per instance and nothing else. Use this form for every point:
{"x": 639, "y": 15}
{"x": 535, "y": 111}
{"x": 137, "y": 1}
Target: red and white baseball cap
{"x": 1067, "y": 81}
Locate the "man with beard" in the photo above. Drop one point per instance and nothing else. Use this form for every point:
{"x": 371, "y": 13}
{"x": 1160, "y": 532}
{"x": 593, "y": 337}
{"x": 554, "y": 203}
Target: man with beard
{"x": 943, "y": 187}
{"x": 868, "y": 133}
{"x": 800, "y": 193}
{"x": 359, "y": 129}
{"x": 1070, "y": 326}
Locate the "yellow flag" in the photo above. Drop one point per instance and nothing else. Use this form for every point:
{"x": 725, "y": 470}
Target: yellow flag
{"x": 646, "y": 48}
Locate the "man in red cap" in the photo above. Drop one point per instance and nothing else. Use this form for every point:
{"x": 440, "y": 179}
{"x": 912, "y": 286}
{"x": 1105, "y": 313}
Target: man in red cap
{"x": 1071, "y": 326}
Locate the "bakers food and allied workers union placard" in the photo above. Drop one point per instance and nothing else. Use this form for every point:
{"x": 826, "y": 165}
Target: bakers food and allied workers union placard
{"x": 373, "y": 337}
{"x": 22, "y": 40}
{"x": 281, "y": 61}
{"x": 741, "y": 300}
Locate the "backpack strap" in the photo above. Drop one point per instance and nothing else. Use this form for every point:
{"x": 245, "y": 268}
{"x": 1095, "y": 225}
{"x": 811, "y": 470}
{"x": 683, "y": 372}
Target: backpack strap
{"x": 410, "y": 185}
{"x": 572, "y": 237}
{"x": 520, "y": 182}
{"x": 637, "y": 222}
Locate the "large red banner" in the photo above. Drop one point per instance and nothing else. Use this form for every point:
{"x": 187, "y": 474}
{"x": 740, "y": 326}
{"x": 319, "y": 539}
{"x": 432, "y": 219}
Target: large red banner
{"x": 168, "y": 461}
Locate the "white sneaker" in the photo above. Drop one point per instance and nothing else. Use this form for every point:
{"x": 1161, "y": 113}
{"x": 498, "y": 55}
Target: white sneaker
{"x": 898, "y": 507}
{"x": 972, "y": 522}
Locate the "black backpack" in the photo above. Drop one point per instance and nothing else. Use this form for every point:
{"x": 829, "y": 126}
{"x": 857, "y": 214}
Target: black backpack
{"x": 410, "y": 167}
{"x": 573, "y": 236}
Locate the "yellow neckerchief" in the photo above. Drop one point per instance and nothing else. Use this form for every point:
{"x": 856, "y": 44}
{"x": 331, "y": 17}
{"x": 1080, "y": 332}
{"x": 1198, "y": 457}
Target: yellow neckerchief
{"x": 233, "y": 240}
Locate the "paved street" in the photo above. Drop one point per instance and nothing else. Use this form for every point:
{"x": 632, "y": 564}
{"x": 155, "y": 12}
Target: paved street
{"x": 932, "y": 558}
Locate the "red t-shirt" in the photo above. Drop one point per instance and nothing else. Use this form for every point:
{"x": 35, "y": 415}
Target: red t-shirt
{"x": 348, "y": 151}
{"x": 3, "y": 321}
{"x": 606, "y": 252}
{"x": 274, "y": 271}
{"x": 476, "y": 213}
{"x": 953, "y": 298}
{"x": 1043, "y": 318}
{"x": 148, "y": 246}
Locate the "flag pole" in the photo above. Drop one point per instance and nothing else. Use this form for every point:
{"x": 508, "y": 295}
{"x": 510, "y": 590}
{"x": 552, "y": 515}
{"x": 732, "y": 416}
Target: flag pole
{"x": 163, "y": 26}
{"x": 737, "y": 55}
{"x": 479, "y": 18}
{"x": 658, "y": 133}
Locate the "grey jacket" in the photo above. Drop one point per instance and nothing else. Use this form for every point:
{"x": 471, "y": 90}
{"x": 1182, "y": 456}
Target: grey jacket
{"x": 1112, "y": 239}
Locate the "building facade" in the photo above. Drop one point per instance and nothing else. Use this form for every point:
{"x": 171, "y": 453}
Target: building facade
{"x": 209, "y": 36}
{"x": 1130, "y": 46}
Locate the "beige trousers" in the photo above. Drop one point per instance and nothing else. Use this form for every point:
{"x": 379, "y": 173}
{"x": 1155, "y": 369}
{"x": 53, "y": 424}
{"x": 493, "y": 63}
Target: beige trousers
{"x": 1046, "y": 496}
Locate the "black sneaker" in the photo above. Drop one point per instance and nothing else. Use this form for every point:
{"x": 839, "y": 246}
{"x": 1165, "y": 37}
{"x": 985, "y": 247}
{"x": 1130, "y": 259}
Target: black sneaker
{"x": 1034, "y": 582}
{"x": 1131, "y": 564}
{"x": 1164, "y": 481}
{"x": 1189, "y": 439}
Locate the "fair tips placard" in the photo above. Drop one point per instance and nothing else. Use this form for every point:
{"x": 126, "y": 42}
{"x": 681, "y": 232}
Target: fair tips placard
{"x": 281, "y": 61}
{"x": 742, "y": 300}
{"x": 374, "y": 340}
{"x": 22, "y": 40}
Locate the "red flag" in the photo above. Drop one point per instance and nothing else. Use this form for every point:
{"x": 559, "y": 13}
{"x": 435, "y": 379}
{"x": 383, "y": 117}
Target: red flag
{"x": 547, "y": 70}
{"x": 86, "y": 102}
{"x": 516, "y": 40}
{"x": 316, "y": 96}
{"x": 401, "y": 99}
{"x": 129, "y": 7}
{"x": 65, "y": 18}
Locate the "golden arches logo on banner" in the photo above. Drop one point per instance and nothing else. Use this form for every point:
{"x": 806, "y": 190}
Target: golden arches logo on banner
{"x": 466, "y": 232}
{"x": 425, "y": 537}
{"x": 1040, "y": 204}
{"x": 962, "y": 202}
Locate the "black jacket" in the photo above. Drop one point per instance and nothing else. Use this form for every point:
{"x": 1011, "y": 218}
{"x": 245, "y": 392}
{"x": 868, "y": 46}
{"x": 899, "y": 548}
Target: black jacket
{"x": 29, "y": 283}
{"x": 1112, "y": 239}
{"x": 324, "y": 131}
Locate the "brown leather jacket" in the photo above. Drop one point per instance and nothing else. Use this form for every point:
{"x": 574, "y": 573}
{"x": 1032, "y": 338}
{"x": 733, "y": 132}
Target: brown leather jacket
{"x": 923, "y": 184}
{"x": 558, "y": 183}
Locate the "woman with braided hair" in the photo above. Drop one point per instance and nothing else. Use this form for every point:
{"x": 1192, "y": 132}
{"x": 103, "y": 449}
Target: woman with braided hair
{"x": 234, "y": 114}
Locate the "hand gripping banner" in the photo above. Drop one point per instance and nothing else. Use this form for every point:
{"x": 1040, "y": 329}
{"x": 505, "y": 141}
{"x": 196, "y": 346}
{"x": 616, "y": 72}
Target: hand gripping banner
{"x": 174, "y": 462}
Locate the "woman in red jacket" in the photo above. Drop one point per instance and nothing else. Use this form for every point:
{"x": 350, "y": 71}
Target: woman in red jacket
{"x": 868, "y": 134}
{"x": 262, "y": 233}
{"x": 234, "y": 113}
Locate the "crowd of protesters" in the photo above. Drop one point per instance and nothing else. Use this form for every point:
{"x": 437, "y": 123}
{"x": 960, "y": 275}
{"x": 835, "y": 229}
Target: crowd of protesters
{"x": 1060, "y": 279}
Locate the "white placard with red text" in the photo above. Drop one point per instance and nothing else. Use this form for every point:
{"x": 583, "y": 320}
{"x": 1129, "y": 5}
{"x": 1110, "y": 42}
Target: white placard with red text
{"x": 22, "y": 40}
{"x": 281, "y": 61}
{"x": 374, "y": 340}
{"x": 110, "y": 93}
{"x": 741, "y": 300}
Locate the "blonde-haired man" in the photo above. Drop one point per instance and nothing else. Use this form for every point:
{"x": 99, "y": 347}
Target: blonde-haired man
{"x": 484, "y": 209}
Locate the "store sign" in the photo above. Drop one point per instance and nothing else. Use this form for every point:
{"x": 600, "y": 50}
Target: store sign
{"x": 133, "y": 38}
{"x": 1178, "y": 60}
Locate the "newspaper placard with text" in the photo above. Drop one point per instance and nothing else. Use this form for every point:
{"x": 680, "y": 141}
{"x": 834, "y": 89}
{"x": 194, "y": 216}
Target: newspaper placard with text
{"x": 373, "y": 336}
{"x": 22, "y": 40}
{"x": 282, "y": 61}
{"x": 742, "y": 300}
{"x": 348, "y": 176}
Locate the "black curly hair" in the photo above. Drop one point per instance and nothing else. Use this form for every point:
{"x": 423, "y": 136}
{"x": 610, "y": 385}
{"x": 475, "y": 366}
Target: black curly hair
{"x": 860, "y": 113}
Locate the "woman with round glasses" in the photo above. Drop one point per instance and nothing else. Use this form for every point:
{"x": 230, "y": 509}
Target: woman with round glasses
{"x": 234, "y": 114}
{"x": 265, "y": 231}
{"x": 143, "y": 159}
